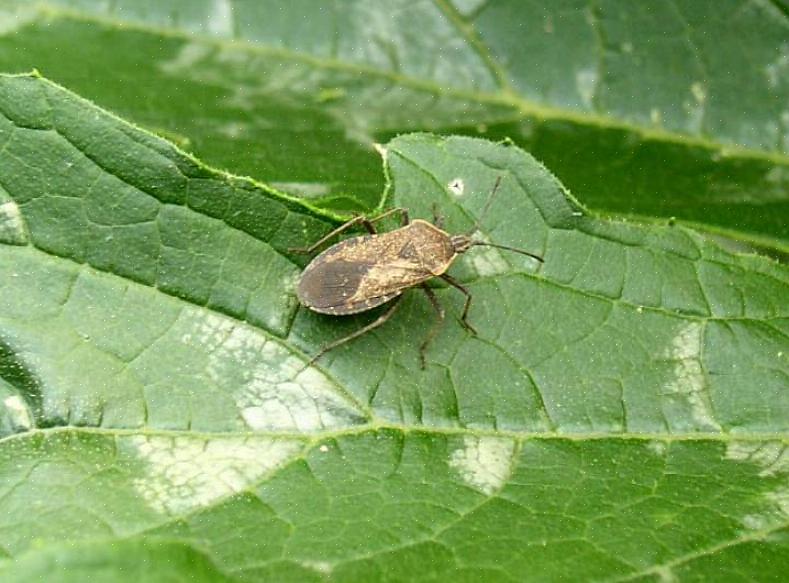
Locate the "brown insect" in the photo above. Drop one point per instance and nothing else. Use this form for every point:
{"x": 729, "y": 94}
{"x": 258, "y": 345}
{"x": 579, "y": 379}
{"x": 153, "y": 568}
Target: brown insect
{"x": 361, "y": 273}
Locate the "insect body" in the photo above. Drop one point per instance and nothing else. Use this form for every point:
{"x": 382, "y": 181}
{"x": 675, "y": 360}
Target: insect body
{"x": 364, "y": 272}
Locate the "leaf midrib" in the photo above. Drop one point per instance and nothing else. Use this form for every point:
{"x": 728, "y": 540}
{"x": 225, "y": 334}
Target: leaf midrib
{"x": 526, "y": 108}
{"x": 316, "y": 438}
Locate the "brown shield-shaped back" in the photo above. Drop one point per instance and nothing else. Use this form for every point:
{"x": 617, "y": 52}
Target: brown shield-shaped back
{"x": 364, "y": 272}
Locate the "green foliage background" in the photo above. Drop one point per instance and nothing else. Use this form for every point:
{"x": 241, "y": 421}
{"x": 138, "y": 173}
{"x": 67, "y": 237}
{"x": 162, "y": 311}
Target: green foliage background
{"x": 623, "y": 412}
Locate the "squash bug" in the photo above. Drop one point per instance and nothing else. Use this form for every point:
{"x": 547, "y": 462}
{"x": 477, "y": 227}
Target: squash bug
{"x": 361, "y": 273}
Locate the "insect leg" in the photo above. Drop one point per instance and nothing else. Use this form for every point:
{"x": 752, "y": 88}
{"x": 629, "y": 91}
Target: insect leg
{"x": 456, "y": 284}
{"x": 363, "y": 330}
{"x": 436, "y": 327}
{"x": 438, "y": 218}
{"x": 368, "y": 223}
{"x": 360, "y": 220}
{"x": 404, "y": 220}
{"x": 344, "y": 227}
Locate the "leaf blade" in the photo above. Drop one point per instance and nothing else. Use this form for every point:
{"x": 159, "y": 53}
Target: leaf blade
{"x": 584, "y": 418}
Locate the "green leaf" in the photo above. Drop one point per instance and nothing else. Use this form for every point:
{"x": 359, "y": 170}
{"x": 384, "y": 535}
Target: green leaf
{"x": 116, "y": 562}
{"x": 622, "y": 414}
{"x": 658, "y": 110}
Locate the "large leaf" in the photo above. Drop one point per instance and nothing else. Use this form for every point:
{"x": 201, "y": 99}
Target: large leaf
{"x": 622, "y": 414}
{"x": 658, "y": 109}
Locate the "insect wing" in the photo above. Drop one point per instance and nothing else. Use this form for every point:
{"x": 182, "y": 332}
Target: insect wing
{"x": 334, "y": 285}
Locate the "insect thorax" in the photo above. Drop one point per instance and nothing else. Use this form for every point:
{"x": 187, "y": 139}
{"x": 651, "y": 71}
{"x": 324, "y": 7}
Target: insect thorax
{"x": 426, "y": 245}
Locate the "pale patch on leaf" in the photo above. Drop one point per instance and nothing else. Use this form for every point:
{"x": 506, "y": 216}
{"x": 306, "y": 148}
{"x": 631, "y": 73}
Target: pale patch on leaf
{"x": 11, "y": 226}
{"x": 321, "y": 567}
{"x": 16, "y": 17}
{"x": 785, "y": 130}
{"x": 187, "y": 58}
{"x": 773, "y": 460}
{"x": 696, "y": 107}
{"x": 487, "y": 261}
{"x": 686, "y": 383}
{"x": 586, "y": 84}
{"x": 466, "y": 7}
{"x": 456, "y": 186}
{"x": 274, "y": 389}
{"x": 18, "y": 413}
{"x": 665, "y": 575}
{"x": 484, "y": 463}
{"x": 772, "y": 457}
{"x": 220, "y": 19}
{"x": 305, "y": 189}
{"x": 776, "y": 70}
{"x": 699, "y": 92}
{"x": 183, "y": 473}
{"x": 234, "y": 129}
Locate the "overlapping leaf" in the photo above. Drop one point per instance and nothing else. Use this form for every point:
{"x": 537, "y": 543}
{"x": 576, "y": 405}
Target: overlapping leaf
{"x": 665, "y": 109}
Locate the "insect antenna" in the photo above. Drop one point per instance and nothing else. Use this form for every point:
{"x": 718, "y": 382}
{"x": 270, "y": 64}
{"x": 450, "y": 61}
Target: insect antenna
{"x": 521, "y": 251}
{"x": 473, "y": 242}
{"x": 486, "y": 207}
